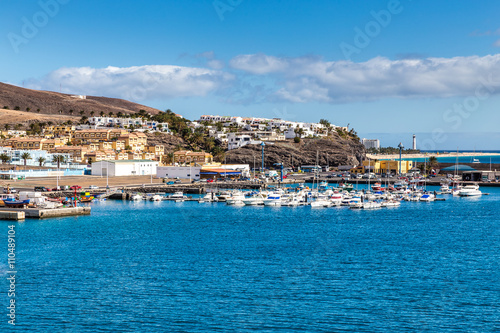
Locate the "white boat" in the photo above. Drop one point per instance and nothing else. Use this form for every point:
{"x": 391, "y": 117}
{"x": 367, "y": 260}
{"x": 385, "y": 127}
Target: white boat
{"x": 209, "y": 197}
{"x": 223, "y": 196}
{"x": 427, "y": 197}
{"x": 470, "y": 191}
{"x": 445, "y": 189}
{"x": 155, "y": 197}
{"x": 320, "y": 203}
{"x": 255, "y": 200}
{"x": 177, "y": 196}
{"x": 136, "y": 197}
{"x": 391, "y": 203}
{"x": 236, "y": 198}
{"x": 273, "y": 199}
{"x": 323, "y": 185}
{"x": 371, "y": 205}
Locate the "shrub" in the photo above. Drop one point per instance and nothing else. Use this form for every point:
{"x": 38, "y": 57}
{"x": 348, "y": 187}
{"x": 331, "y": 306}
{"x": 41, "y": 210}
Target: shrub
{"x": 296, "y": 139}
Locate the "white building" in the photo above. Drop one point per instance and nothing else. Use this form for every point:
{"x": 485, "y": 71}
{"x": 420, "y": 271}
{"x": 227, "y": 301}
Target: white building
{"x": 35, "y": 155}
{"x": 182, "y": 172}
{"x": 150, "y": 125}
{"x": 124, "y": 168}
{"x": 371, "y": 143}
{"x": 414, "y": 147}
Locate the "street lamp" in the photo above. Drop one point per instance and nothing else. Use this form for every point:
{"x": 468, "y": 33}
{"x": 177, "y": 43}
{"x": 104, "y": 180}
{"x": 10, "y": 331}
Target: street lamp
{"x": 401, "y": 147}
{"x": 262, "y": 145}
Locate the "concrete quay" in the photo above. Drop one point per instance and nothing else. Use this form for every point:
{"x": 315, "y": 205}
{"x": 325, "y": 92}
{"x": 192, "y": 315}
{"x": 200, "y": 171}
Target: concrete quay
{"x": 37, "y": 213}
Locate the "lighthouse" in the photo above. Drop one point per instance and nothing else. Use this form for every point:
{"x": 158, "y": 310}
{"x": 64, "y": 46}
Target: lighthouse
{"x": 414, "y": 147}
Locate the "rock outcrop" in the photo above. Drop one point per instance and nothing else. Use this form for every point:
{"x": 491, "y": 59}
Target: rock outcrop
{"x": 333, "y": 151}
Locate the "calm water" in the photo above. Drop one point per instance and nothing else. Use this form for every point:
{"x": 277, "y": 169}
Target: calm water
{"x": 189, "y": 267}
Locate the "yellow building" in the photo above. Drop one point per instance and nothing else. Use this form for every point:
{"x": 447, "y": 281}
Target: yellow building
{"x": 187, "y": 156}
{"x": 92, "y": 135}
{"x": 387, "y": 166}
{"x": 77, "y": 153}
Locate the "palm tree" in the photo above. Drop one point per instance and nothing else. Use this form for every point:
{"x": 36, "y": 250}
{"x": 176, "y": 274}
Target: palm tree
{"x": 102, "y": 113}
{"x": 4, "y": 158}
{"x": 26, "y": 156}
{"x": 92, "y": 113}
{"x": 58, "y": 159}
{"x": 82, "y": 112}
{"x": 41, "y": 160}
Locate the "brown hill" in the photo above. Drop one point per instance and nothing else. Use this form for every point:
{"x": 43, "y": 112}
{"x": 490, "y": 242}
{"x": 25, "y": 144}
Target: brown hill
{"x": 49, "y": 102}
{"x": 334, "y": 151}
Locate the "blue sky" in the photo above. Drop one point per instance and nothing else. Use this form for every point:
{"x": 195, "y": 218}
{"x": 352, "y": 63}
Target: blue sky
{"x": 387, "y": 68}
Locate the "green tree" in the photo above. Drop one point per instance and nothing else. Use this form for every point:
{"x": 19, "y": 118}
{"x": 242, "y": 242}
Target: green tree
{"x": 41, "y": 160}
{"x": 28, "y": 109}
{"x": 92, "y": 113}
{"x": 82, "y": 112}
{"x": 58, "y": 159}
{"x": 26, "y": 156}
{"x": 4, "y": 158}
{"x": 6, "y": 126}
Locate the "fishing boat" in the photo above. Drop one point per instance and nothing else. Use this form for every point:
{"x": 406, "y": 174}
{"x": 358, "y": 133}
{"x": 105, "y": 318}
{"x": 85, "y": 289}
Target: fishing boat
{"x": 11, "y": 203}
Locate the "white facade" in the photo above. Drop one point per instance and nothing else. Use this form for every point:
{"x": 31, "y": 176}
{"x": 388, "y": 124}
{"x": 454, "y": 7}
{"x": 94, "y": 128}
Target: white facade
{"x": 122, "y": 122}
{"x": 124, "y": 168}
{"x": 178, "y": 172}
{"x": 371, "y": 143}
{"x": 15, "y": 156}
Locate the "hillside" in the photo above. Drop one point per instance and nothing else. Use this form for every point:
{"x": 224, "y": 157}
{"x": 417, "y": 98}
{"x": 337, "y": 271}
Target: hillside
{"x": 333, "y": 151}
{"x": 52, "y": 103}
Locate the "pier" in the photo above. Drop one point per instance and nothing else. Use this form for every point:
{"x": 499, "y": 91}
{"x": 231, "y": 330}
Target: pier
{"x": 36, "y": 213}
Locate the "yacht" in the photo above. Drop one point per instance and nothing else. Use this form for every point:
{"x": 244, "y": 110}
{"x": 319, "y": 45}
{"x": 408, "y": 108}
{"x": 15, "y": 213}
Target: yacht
{"x": 371, "y": 205}
{"x": 209, "y": 197}
{"x": 255, "y": 200}
{"x": 236, "y": 198}
{"x": 427, "y": 197}
{"x": 155, "y": 197}
{"x": 136, "y": 197}
{"x": 470, "y": 191}
{"x": 445, "y": 189}
{"x": 273, "y": 199}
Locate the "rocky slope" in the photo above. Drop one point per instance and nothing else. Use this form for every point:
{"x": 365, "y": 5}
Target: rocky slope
{"x": 334, "y": 151}
{"x": 48, "y": 102}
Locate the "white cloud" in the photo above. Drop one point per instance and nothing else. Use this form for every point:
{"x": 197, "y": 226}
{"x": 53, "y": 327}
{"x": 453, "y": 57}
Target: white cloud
{"x": 314, "y": 80}
{"x": 259, "y": 63}
{"x": 135, "y": 83}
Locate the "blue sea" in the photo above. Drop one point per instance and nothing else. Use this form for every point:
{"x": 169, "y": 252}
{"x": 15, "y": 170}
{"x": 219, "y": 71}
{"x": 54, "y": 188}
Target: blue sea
{"x": 486, "y": 159}
{"x": 190, "y": 267}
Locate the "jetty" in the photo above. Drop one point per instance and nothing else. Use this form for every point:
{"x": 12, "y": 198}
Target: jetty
{"x": 39, "y": 213}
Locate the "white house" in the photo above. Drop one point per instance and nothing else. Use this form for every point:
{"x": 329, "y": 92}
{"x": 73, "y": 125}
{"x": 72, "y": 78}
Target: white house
{"x": 124, "y": 168}
{"x": 183, "y": 172}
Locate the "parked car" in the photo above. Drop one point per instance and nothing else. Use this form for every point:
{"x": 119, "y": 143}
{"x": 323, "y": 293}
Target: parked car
{"x": 177, "y": 181}
{"x": 75, "y": 187}
{"x": 93, "y": 187}
{"x": 170, "y": 183}
{"x": 37, "y": 189}
{"x": 210, "y": 180}
{"x": 57, "y": 188}
{"x": 12, "y": 190}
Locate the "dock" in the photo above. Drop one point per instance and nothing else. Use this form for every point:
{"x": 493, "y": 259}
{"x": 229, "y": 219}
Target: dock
{"x": 8, "y": 215}
{"x": 36, "y": 213}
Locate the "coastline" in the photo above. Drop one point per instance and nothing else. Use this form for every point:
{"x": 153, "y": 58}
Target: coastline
{"x": 424, "y": 155}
